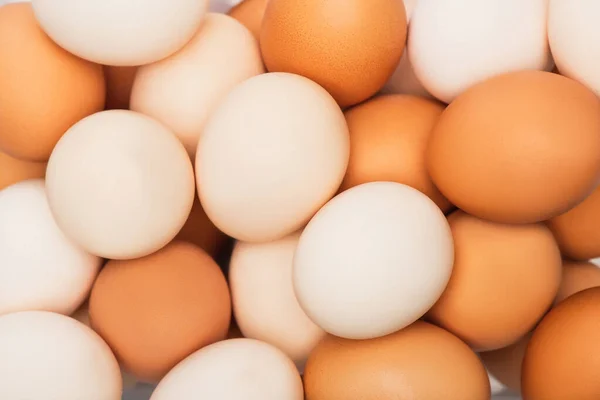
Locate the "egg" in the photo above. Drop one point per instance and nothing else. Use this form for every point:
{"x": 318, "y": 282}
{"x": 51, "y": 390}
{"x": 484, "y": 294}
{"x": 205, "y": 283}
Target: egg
{"x": 182, "y": 91}
{"x": 121, "y": 33}
{"x": 14, "y": 170}
{"x": 174, "y": 301}
{"x": 132, "y": 188}
{"x": 51, "y": 356}
{"x": 504, "y": 279}
{"x": 233, "y": 369}
{"x": 200, "y": 230}
{"x": 505, "y": 364}
{"x": 577, "y": 276}
{"x": 264, "y": 303}
{"x": 562, "y": 358}
{"x": 388, "y": 142}
{"x": 41, "y": 269}
{"x": 272, "y": 153}
{"x": 350, "y": 48}
{"x": 250, "y": 13}
{"x": 521, "y": 147}
{"x": 576, "y": 22}
{"x": 43, "y": 89}
{"x": 119, "y": 83}
{"x": 419, "y": 362}
{"x": 365, "y": 265}
{"x": 577, "y": 232}
{"x": 456, "y": 44}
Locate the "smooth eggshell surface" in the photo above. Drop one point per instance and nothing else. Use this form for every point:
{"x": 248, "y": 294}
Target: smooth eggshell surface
{"x": 421, "y": 361}
{"x": 264, "y": 303}
{"x": 577, "y": 276}
{"x": 174, "y": 302}
{"x": 504, "y": 279}
{"x": 505, "y": 364}
{"x": 41, "y": 269}
{"x": 121, "y": 32}
{"x": 120, "y": 184}
{"x": 454, "y": 44}
{"x": 43, "y": 89}
{"x": 250, "y": 13}
{"x": 14, "y": 170}
{"x": 183, "y": 90}
{"x": 231, "y": 370}
{"x": 119, "y": 83}
{"x": 51, "y": 356}
{"x": 373, "y": 260}
{"x": 520, "y": 147}
{"x": 273, "y": 152}
{"x": 350, "y": 48}
{"x": 388, "y": 142}
{"x": 563, "y": 359}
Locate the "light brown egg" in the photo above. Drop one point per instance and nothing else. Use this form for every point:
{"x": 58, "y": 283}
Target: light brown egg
{"x": 350, "y": 48}
{"x": 43, "y": 88}
{"x": 156, "y": 310}
{"x": 504, "y": 279}
{"x": 250, "y": 13}
{"x": 388, "y": 142}
{"x": 14, "y": 170}
{"x": 578, "y": 230}
{"x": 518, "y": 148}
{"x": 577, "y": 276}
{"x": 421, "y": 361}
{"x": 563, "y": 357}
{"x": 119, "y": 81}
{"x": 200, "y": 230}
{"x": 506, "y": 364}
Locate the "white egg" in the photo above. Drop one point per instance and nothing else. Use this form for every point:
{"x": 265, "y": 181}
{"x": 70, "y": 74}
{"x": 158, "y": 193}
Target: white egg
{"x": 454, "y": 44}
{"x": 41, "y": 268}
{"x": 121, "y": 32}
{"x": 373, "y": 260}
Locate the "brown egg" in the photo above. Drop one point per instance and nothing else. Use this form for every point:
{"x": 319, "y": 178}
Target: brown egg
{"x": 388, "y": 141}
{"x": 119, "y": 82}
{"x": 156, "y": 310}
{"x": 518, "y": 148}
{"x": 563, "y": 357}
{"x": 577, "y": 231}
{"x": 421, "y": 361}
{"x": 199, "y": 230}
{"x": 250, "y": 14}
{"x": 577, "y": 276}
{"x": 14, "y": 170}
{"x": 351, "y": 48}
{"x": 504, "y": 279}
{"x": 43, "y": 88}
{"x": 506, "y": 364}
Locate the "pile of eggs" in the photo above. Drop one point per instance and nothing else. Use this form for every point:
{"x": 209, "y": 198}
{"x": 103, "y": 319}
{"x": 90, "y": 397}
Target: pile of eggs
{"x": 299, "y": 199}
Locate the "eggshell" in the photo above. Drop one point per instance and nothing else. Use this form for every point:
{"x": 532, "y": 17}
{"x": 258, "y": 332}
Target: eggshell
{"x": 120, "y": 184}
{"x": 577, "y": 232}
{"x": 521, "y": 147}
{"x": 264, "y": 302}
{"x": 41, "y": 269}
{"x": 14, "y": 170}
{"x": 419, "y": 362}
{"x": 233, "y": 369}
{"x": 576, "y": 22}
{"x": 273, "y": 152}
{"x": 250, "y": 13}
{"x": 577, "y": 276}
{"x": 563, "y": 359}
{"x": 373, "y": 260}
{"x": 119, "y": 82}
{"x": 388, "y": 142}
{"x": 174, "y": 301}
{"x": 504, "y": 279}
{"x": 121, "y": 32}
{"x": 455, "y": 44}
{"x": 506, "y": 364}
{"x": 43, "y": 89}
{"x": 200, "y": 230}
{"x": 350, "y": 48}
{"x": 51, "y": 356}
{"x": 183, "y": 90}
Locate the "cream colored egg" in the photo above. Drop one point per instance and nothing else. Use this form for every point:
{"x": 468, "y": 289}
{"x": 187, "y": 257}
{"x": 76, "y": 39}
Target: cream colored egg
{"x": 264, "y": 303}
{"x": 273, "y": 152}
{"x": 53, "y": 357}
{"x": 41, "y": 268}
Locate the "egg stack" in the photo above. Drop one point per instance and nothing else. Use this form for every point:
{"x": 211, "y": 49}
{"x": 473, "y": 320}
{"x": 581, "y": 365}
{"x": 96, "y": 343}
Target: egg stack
{"x": 316, "y": 199}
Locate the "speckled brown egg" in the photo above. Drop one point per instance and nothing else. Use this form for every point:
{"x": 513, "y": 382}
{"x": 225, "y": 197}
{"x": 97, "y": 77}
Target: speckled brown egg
{"x": 13, "y": 170}
{"x": 350, "y": 47}
{"x": 518, "y": 148}
{"x": 577, "y": 276}
{"x": 421, "y": 361}
{"x": 388, "y": 142}
{"x": 562, "y": 360}
{"x": 250, "y": 13}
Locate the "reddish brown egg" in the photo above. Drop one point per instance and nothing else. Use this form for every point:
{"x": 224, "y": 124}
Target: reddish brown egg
{"x": 13, "y": 170}
{"x": 577, "y": 276}
{"x": 518, "y": 148}
{"x": 200, "y": 230}
{"x": 351, "y": 47}
{"x": 250, "y": 13}
{"x": 119, "y": 82}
